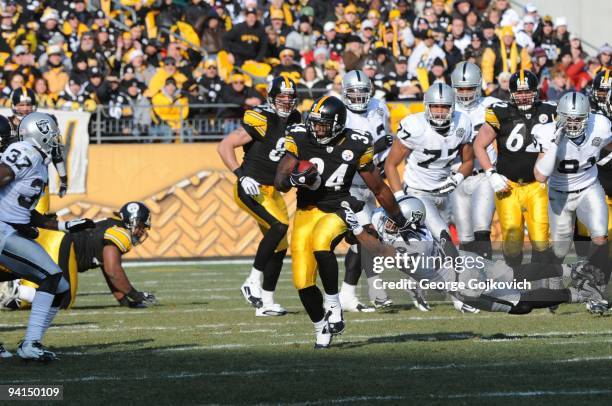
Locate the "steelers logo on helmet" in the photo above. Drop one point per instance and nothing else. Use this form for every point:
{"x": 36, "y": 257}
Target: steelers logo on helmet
{"x": 136, "y": 217}
{"x": 23, "y": 101}
{"x": 132, "y": 208}
{"x": 326, "y": 119}
{"x": 282, "y": 96}
{"x": 523, "y": 89}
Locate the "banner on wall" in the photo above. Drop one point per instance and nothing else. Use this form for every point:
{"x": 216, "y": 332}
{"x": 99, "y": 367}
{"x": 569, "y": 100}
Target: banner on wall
{"x": 75, "y": 135}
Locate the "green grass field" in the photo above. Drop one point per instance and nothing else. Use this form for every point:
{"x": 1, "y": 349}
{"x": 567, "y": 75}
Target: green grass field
{"x": 203, "y": 345}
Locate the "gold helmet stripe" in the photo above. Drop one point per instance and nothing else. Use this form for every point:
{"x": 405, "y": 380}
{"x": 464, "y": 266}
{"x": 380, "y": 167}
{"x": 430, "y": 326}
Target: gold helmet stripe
{"x": 606, "y": 76}
{"x": 319, "y": 104}
{"x": 522, "y": 76}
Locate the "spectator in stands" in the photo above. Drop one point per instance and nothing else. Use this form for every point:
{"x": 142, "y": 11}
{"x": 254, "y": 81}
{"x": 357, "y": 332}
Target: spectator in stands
{"x": 545, "y": 39}
{"x": 472, "y": 21}
{"x": 277, "y": 22}
{"x": 353, "y": 56}
{"x": 133, "y": 106}
{"x": 524, "y": 37}
{"x": 247, "y": 40}
{"x": 99, "y": 88}
{"x": 453, "y": 54}
{"x": 373, "y": 71}
{"x": 475, "y": 50}
{"x": 305, "y": 86}
{"x": 50, "y": 20}
{"x": 382, "y": 55}
{"x": 558, "y": 86}
{"x": 288, "y": 66}
{"x": 210, "y": 82}
{"x": 43, "y": 98}
{"x": 561, "y": 34}
{"x": 75, "y": 97}
{"x": 303, "y": 39}
{"x": 508, "y": 58}
{"x": 459, "y": 36}
{"x": 167, "y": 70}
{"x": 439, "y": 9}
{"x": 237, "y": 93}
{"x": 332, "y": 68}
{"x": 169, "y": 110}
{"x": 400, "y": 85}
{"x": 23, "y": 62}
{"x": 15, "y": 81}
{"x": 56, "y": 73}
{"x": 605, "y": 56}
{"x": 424, "y": 53}
{"x": 502, "y": 90}
{"x": 489, "y": 37}
{"x": 212, "y": 35}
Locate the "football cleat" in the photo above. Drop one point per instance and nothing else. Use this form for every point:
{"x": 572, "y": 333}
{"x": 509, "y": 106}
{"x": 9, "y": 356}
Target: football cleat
{"x": 252, "y": 293}
{"x": 418, "y": 298}
{"x": 4, "y": 353}
{"x": 35, "y": 351}
{"x": 323, "y": 339}
{"x": 335, "y": 319}
{"x": 597, "y": 306}
{"x": 270, "y": 310}
{"x": 462, "y": 307}
{"x": 350, "y": 303}
{"x": 583, "y": 271}
{"x": 382, "y": 303}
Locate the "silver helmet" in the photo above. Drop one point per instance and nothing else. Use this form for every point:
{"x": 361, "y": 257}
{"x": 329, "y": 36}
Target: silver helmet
{"x": 356, "y": 90}
{"x": 467, "y": 82}
{"x": 573, "y": 111}
{"x": 40, "y": 130}
{"x": 412, "y": 209}
{"x": 439, "y": 94}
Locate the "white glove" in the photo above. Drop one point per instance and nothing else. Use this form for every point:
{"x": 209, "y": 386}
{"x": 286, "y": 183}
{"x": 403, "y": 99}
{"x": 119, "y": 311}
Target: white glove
{"x": 351, "y": 219}
{"x": 452, "y": 183}
{"x": 249, "y": 185}
{"x": 498, "y": 182}
{"x": 75, "y": 225}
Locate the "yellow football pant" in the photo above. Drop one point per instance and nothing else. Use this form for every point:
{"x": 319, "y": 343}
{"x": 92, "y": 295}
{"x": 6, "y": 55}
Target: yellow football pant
{"x": 525, "y": 203}
{"x": 313, "y": 230}
{"x": 63, "y": 255}
{"x": 266, "y": 208}
{"x": 44, "y": 202}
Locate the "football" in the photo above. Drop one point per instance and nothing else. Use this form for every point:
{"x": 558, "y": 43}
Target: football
{"x": 303, "y": 166}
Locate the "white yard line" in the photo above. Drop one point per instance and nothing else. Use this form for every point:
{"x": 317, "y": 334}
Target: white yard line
{"x": 572, "y": 392}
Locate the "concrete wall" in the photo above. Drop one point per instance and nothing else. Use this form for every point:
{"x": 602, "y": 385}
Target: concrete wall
{"x": 591, "y": 20}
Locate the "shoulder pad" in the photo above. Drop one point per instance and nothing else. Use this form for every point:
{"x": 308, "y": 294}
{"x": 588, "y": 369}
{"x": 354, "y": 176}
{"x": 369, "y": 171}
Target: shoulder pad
{"x": 411, "y": 127}
{"x": 119, "y": 237}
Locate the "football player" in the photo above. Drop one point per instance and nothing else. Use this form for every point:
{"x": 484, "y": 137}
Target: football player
{"x": 602, "y": 82}
{"x": 519, "y": 198}
{"x": 23, "y": 175}
{"x": 262, "y": 136}
{"x": 473, "y": 202}
{"x": 23, "y": 102}
{"x": 364, "y": 113}
{"x": 569, "y": 164}
{"x": 103, "y": 247}
{"x": 546, "y": 280}
{"x": 321, "y": 161}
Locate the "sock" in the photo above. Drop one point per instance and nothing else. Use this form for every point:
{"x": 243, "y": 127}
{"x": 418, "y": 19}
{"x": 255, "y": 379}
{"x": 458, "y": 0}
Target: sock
{"x": 543, "y": 298}
{"x": 352, "y": 266}
{"x": 349, "y": 290}
{"x": 50, "y": 316}
{"x": 328, "y": 271}
{"x": 376, "y": 293}
{"x": 331, "y": 300}
{"x": 312, "y": 300}
{"x": 534, "y": 272}
{"x": 482, "y": 244}
{"x": 267, "y": 297}
{"x": 255, "y": 275}
{"x": 268, "y": 244}
{"x": 41, "y": 306}
{"x": 319, "y": 325}
{"x": 272, "y": 270}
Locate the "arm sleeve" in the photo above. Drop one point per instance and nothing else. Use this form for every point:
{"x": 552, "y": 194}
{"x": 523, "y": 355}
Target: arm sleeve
{"x": 255, "y": 124}
{"x": 366, "y": 158}
{"x": 291, "y": 146}
{"x": 491, "y": 119}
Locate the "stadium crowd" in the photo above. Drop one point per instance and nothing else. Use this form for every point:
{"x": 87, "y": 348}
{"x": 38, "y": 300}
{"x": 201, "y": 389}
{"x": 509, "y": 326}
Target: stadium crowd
{"x": 150, "y": 60}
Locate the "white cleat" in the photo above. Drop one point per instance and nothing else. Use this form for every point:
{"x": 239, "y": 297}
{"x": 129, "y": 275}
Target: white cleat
{"x": 418, "y": 298}
{"x": 252, "y": 293}
{"x": 270, "y": 310}
{"x": 4, "y": 353}
{"x": 352, "y": 304}
{"x": 35, "y": 351}
{"x": 597, "y": 306}
{"x": 334, "y": 319}
{"x": 465, "y": 308}
{"x": 382, "y": 303}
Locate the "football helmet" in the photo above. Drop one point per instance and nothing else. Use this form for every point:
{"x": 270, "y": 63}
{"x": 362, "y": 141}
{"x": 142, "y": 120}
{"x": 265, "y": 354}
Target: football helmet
{"x": 467, "y": 82}
{"x": 573, "y": 111}
{"x": 136, "y": 217}
{"x": 600, "y": 87}
{"x": 282, "y": 96}
{"x": 326, "y": 119}
{"x": 412, "y": 209}
{"x": 40, "y": 130}
{"x": 356, "y": 91}
{"x": 23, "y": 101}
{"x": 523, "y": 89}
{"x": 439, "y": 95}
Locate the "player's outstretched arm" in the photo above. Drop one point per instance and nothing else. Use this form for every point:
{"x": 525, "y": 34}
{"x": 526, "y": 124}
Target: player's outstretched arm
{"x": 383, "y": 194}
{"x": 485, "y": 137}
{"x": 119, "y": 283}
{"x": 52, "y": 223}
{"x": 398, "y": 154}
{"x": 233, "y": 140}
{"x": 283, "y": 173}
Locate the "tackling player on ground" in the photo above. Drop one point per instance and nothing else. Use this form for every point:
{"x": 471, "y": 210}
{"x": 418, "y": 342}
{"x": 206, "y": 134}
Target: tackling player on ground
{"x": 23, "y": 175}
{"x": 321, "y": 161}
{"x": 519, "y": 198}
{"x": 262, "y": 136}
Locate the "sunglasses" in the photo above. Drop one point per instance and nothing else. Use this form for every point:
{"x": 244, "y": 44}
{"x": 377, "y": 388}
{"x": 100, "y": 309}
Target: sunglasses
{"x": 212, "y": 67}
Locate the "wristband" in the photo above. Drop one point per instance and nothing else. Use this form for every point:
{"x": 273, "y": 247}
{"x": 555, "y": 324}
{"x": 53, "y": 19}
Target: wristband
{"x": 61, "y": 226}
{"x": 399, "y": 194}
{"x": 490, "y": 172}
{"x": 239, "y": 172}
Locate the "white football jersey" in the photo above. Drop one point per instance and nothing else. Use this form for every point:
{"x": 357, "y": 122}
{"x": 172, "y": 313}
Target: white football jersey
{"x": 477, "y": 117}
{"x": 429, "y": 164}
{"x": 374, "y": 120}
{"x": 21, "y": 196}
{"x": 576, "y": 165}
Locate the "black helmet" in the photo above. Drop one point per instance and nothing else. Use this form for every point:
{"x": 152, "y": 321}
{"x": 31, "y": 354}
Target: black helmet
{"x": 600, "y": 87}
{"x": 326, "y": 119}
{"x": 23, "y": 95}
{"x": 282, "y": 85}
{"x": 6, "y": 134}
{"x": 523, "y": 89}
{"x": 136, "y": 217}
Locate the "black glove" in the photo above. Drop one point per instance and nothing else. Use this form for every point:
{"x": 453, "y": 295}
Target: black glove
{"x": 141, "y": 299}
{"x": 75, "y": 225}
{"x": 304, "y": 179}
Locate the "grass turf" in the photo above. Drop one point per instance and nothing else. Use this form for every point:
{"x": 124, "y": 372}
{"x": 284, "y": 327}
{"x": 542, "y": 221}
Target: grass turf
{"x": 203, "y": 345}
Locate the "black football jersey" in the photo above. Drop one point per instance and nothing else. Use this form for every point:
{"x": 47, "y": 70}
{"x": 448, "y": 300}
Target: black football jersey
{"x": 262, "y": 155}
{"x": 89, "y": 244}
{"x": 516, "y": 145}
{"x": 336, "y": 162}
